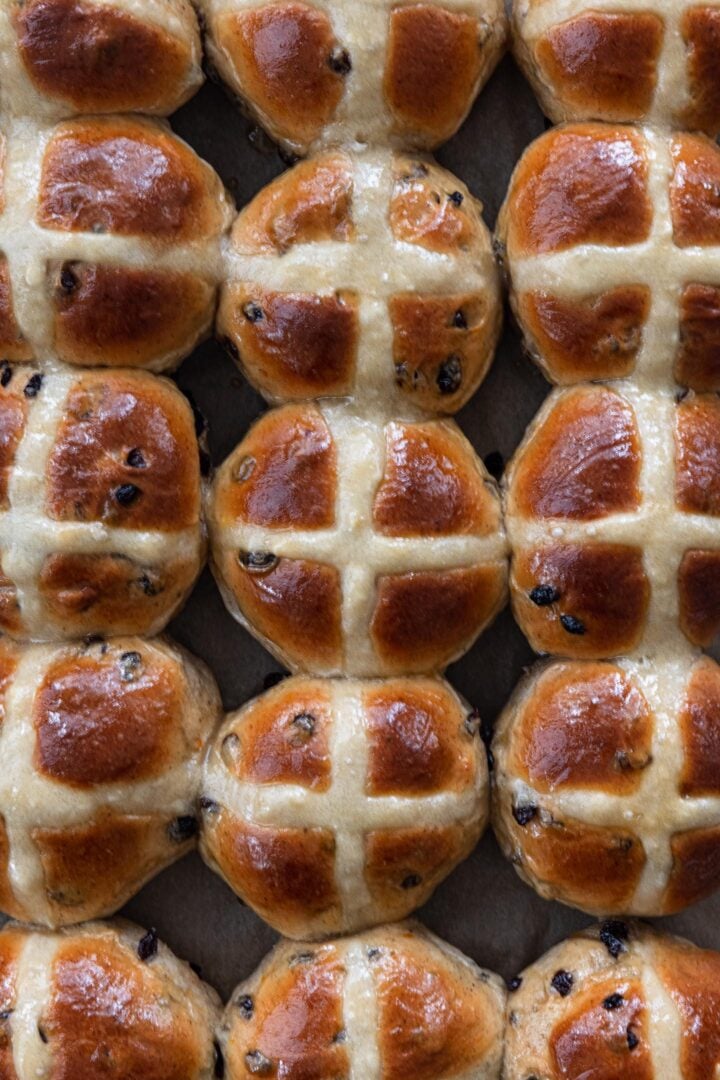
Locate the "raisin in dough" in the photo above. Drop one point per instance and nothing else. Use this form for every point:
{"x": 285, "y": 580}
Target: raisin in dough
{"x": 617, "y": 1001}
{"x": 103, "y": 744}
{"x": 389, "y": 1004}
{"x": 613, "y": 515}
{"x": 101, "y": 1000}
{"x": 59, "y": 57}
{"x": 366, "y": 274}
{"x": 365, "y": 71}
{"x": 643, "y": 60}
{"x": 353, "y": 545}
{"x": 332, "y": 805}
{"x": 110, "y": 234}
{"x": 611, "y": 238}
{"x": 101, "y": 528}
{"x": 607, "y": 783}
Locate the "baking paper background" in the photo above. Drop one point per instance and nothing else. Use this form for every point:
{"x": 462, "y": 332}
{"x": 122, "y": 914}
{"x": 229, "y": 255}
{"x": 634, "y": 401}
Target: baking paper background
{"x": 483, "y": 908}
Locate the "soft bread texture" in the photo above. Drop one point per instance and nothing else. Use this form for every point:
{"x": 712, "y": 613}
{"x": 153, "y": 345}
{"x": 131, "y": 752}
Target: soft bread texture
{"x": 59, "y": 57}
{"x": 366, "y": 274}
{"x": 648, "y": 60}
{"x": 330, "y": 806}
{"x": 606, "y": 786}
{"x": 617, "y": 1001}
{"x": 612, "y": 510}
{"x": 386, "y": 1005}
{"x": 101, "y": 529}
{"x": 355, "y": 71}
{"x": 102, "y": 745}
{"x": 353, "y": 545}
{"x": 101, "y": 1000}
{"x": 611, "y": 238}
{"x": 110, "y": 234}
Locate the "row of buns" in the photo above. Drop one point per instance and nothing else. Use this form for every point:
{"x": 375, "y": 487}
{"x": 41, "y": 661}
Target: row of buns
{"x": 364, "y": 70}
{"x": 331, "y": 805}
{"x": 110, "y": 999}
{"x": 355, "y": 544}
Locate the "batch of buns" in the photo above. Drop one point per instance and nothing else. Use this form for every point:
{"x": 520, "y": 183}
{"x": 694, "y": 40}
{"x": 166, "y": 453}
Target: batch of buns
{"x": 356, "y": 533}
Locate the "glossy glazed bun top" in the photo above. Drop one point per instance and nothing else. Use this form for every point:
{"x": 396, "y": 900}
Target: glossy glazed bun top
{"x": 366, "y": 71}
{"x": 620, "y": 1002}
{"x": 647, "y": 60}
{"x": 59, "y": 57}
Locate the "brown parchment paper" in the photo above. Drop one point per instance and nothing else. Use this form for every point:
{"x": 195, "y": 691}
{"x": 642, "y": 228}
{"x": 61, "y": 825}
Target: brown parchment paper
{"x": 483, "y": 908}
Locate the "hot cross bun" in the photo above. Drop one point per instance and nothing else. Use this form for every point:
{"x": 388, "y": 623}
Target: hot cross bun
{"x": 334, "y": 805}
{"x": 650, "y": 60}
{"x": 612, "y": 246}
{"x": 393, "y": 1003}
{"x": 607, "y": 783}
{"x": 613, "y": 515}
{"x": 367, "y": 274}
{"x": 359, "y": 71}
{"x": 101, "y": 1000}
{"x": 59, "y": 57}
{"x": 353, "y": 545}
{"x": 101, "y": 529}
{"x": 618, "y": 1002}
{"x": 102, "y": 744}
{"x": 109, "y": 243}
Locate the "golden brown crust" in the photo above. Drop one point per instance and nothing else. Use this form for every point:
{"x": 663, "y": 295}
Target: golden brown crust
{"x": 98, "y": 58}
{"x": 108, "y": 719}
{"x": 431, "y": 485}
{"x": 582, "y": 461}
{"x": 13, "y": 416}
{"x": 416, "y": 744}
{"x": 284, "y": 473}
{"x": 694, "y": 205}
{"x": 585, "y": 184}
{"x": 141, "y": 1021}
{"x": 294, "y": 325}
{"x": 88, "y": 868}
{"x": 438, "y": 1016}
{"x": 701, "y": 31}
{"x": 697, "y": 437}
{"x": 441, "y": 343}
{"x": 294, "y": 1020}
{"x": 432, "y": 70}
{"x": 295, "y": 601}
{"x": 424, "y": 619}
{"x": 609, "y": 1042}
{"x": 594, "y": 337}
{"x": 312, "y": 203}
{"x": 304, "y": 343}
{"x": 284, "y": 874}
{"x": 602, "y": 587}
{"x": 425, "y": 209}
{"x": 699, "y": 592}
{"x": 691, "y": 977}
{"x": 107, "y": 420}
{"x": 110, "y": 593}
{"x": 282, "y": 58}
{"x": 284, "y": 738}
{"x": 587, "y": 866}
{"x": 9, "y": 955}
{"x": 700, "y": 725}
{"x": 118, "y": 316}
{"x": 12, "y": 344}
{"x": 602, "y": 64}
{"x": 128, "y": 177}
{"x": 698, "y": 359}
{"x": 431, "y": 1022}
{"x": 606, "y": 746}
{"x": 617, "y": 1000}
